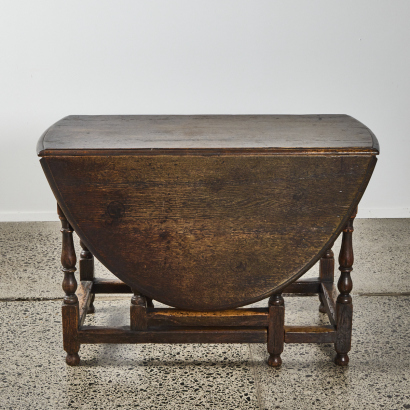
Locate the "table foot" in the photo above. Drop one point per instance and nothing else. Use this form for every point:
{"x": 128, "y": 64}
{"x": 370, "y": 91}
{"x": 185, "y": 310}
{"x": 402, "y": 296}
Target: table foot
{"x": 275, "y": 360}
{"x": 73, "y": 359}
{"x": 342, "y": 359}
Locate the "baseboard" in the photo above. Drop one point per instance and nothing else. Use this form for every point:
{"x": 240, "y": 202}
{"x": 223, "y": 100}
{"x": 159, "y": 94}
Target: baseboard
{"x": 383, "y": 213}
{"x": 28, "y": 216}
{"x": 52, "y": 216}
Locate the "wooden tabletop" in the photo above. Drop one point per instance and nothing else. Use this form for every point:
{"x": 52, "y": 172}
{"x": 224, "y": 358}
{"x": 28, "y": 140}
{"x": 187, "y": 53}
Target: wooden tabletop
{"x": 117, "y": 134}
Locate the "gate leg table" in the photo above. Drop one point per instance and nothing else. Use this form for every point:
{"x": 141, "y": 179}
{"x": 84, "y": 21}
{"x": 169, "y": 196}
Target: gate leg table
{"x": 208, "y": 214}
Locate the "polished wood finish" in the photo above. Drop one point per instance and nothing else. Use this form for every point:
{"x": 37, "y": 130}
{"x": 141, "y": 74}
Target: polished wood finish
{"x": 308, "y": 286}
{"x": 218, "y": 216}
{"x": 276, "y": 331}
{"x": 304, "y": 286}
{"x": 344, "y": 306}
{"x": 253, "y": 317}
{"x": 110, "y": 286}
{"x": 86, "y": 263}
{"x": 70, "y": 308}
{"x": 310, "y": 334}
{"x": 95, "y": 334}
{"x": 139, "y": 134}
{"x": 327, "y": 266}
{"x": 241, "y": 325}
{"x": 162, "y": 320}
{"x": 208, "y": 214}
{"x": 164, "y": 224}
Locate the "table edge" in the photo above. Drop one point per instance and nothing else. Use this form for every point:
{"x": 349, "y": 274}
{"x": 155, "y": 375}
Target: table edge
{"x": 46, "y": 152}
{"x": 207, "y": 152}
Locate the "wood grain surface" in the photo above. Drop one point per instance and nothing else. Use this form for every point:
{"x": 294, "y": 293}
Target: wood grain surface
{"x": 82, "y": 134}
{"x": 208, "y": 232}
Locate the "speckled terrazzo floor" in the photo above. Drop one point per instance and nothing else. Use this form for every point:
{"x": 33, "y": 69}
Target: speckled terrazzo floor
{"x": 33, "y": 374}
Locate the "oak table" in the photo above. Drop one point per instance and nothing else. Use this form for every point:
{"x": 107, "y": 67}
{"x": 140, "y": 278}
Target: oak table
{"x": 207, "y": 214}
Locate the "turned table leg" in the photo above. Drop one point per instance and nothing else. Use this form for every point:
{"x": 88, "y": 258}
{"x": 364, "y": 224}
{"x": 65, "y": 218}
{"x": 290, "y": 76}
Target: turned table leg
{"x": 70, "y": 308}
{"x": 344, "y": 306}
{"x": 87, "y": 270}
{"x": 326, "y": 272}
{"x": 276, "y": 330}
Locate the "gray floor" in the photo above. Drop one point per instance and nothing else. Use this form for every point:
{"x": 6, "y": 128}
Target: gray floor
{"x": 33, "y": 373}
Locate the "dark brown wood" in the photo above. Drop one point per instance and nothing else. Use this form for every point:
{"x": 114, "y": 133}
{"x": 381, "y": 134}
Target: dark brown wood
{"x": 344, "y": 306}
{"x": 310, "y": 334}
{"x": 70, "y": 308}
{"x": 276, "y": 332}
{"x": 85, "y": 298}
{"x": 207, "y": 214}
{"x": 87, "y": 271}
{"x": 305, "y": 286}
{"x": 164, "y": 224}
{"x": 326, "y": 272}
{"x": 110, "y": 286}
{"x": 329, "y": 295}
{"x": 135, "y": 133}
{"x": 327, "y": 266}
{"x": 86, "y": 264}
{"x": 138, "y": 312}
{"x": 95, "y": 334}
{"x": 253, "y": 317}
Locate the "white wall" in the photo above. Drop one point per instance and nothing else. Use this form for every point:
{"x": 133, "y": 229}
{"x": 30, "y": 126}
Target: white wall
{"x": 202, "y": 56}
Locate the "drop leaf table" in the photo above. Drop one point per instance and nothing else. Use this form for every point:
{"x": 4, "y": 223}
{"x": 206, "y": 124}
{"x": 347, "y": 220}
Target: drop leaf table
{"x": 208, "y": 214}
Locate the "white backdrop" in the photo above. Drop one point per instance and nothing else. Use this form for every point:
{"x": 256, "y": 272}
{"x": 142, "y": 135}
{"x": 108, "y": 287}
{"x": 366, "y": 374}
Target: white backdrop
{"x": 202, "y": 57}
